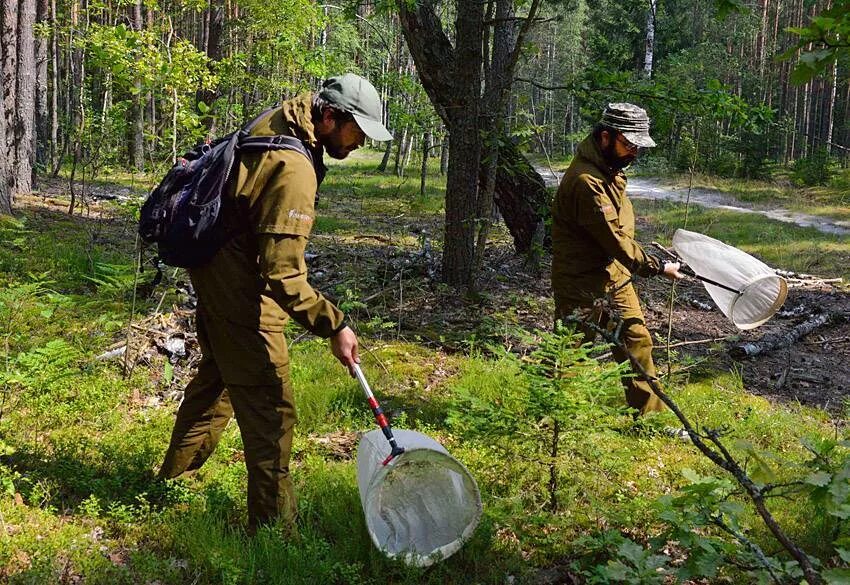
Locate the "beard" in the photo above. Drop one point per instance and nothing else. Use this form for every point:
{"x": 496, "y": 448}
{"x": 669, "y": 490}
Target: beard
{"x": 617, "y": 162}
{"x": 337, "y": 151}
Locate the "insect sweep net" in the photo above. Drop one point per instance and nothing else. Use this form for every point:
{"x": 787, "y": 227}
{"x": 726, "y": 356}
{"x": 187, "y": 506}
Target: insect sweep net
{"x": 758, "y": 291}
{"x": 422, "y": 505}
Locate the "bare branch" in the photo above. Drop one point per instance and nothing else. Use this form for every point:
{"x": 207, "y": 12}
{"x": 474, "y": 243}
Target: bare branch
{"x": 723, "y": 459}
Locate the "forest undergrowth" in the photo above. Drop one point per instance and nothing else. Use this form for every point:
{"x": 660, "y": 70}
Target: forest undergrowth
{"x": 84, "y": 423}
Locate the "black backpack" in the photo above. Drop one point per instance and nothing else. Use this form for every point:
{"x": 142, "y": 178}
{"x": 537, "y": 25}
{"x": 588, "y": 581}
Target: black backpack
{"x": 182, "y": 216}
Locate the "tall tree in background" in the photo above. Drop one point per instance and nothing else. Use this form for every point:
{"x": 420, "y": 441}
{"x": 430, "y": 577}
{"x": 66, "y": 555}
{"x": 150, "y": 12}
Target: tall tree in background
{"x": 9, "y": 40}
{"x": 137, "y": 118}
{"x": 451, "y": 74}
{"x": 5, "y": 194}
{"x": 211, "y": 44}
{"x": 42, "y": 112}
{"x": 24, "y": 141}
{"x": 649, "y": 50}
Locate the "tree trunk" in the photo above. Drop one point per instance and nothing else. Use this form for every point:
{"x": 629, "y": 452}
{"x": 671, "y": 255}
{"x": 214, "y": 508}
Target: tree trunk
{"x": 399, "y": 153}
{"x": 25, "y": 98}
{"x": 521, "y": 197}
{"x": 5, "y": 193}
{"x": 214, "y": 22}
{"x": 649, "y": 45}
{"x": 423, "y": 175}
{"x": 408, "y": 149}
{"x": 388, "y": 148}
{"x": 54, "y": 87}
{"x": 77, "y": 103}
{"x": 496, "y": 91}
{"x": 10, "y": 71}
{"x": 137, "y": 110}
{"x": 42, "y": 114}
{"x": 831, "y": 107}
{"x": 444, "y": 154}
{"x": 465, "y": 157}
{"x": 520, "y": 192}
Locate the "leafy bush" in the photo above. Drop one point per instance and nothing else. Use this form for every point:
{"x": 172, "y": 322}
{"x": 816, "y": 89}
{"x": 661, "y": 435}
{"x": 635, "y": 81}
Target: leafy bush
{"x": 816, "y": 169}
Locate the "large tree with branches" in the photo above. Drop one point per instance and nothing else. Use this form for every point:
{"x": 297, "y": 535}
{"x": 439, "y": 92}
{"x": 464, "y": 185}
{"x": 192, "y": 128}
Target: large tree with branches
{"x": 468, "y": 82}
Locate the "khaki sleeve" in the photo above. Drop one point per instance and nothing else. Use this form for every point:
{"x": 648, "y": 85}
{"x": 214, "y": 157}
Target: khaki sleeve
{"x": 283, "y": 268}
{"x": 597, "y": 214}
{"x": 281, "y": 188}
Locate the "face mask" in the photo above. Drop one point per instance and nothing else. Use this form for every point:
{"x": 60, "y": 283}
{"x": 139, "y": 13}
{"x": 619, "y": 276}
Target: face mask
{"x": 617, "y": 162}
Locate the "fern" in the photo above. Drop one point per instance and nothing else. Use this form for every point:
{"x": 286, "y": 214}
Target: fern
{"x": 111, "y": 279}
{"x": 42, "y": 368}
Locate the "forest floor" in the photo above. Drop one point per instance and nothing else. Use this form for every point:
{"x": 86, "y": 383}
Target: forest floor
{"x": 85, "y": 420}
{"x": 812, "y": 370}
{"x": 379, "y": 257}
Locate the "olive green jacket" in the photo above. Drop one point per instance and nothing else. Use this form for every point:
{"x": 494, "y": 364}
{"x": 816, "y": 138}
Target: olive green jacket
{"x": 593, "y": 227}
{"x": 259, "y": 278}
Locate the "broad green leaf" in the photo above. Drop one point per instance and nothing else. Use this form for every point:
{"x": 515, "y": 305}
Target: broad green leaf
{"x": 819, "y": 478}
{"x": 836, "y": 576}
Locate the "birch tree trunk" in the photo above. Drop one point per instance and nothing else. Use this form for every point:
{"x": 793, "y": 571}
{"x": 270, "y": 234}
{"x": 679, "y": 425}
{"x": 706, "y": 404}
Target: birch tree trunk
{"x": 831, "y": 107}
{"x": 649, "y": 45}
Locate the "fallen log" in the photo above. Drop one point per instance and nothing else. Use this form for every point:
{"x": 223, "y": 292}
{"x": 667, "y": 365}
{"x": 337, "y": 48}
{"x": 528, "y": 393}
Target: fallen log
{"x": 774, "y": 341}
{"x": 800, "y": 278}
{"x": 698, "y": 304}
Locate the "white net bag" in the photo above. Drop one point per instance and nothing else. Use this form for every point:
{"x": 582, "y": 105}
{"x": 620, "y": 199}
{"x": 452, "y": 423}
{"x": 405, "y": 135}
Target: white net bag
{"x": 745, "y": 289}
{"x": 422, "y": 505}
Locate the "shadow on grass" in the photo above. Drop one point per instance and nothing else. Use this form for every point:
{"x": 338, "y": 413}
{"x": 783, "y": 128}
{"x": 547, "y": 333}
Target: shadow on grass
{"x": 65, "y": 482}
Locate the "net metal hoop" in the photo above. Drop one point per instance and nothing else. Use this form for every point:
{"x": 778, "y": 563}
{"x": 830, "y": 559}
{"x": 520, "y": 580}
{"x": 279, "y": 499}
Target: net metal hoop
{"x": 766, "y": 315}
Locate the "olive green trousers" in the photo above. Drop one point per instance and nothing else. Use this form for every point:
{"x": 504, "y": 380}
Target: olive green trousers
{"x": 624, "y": 303}
{"x": 266, "y": 417}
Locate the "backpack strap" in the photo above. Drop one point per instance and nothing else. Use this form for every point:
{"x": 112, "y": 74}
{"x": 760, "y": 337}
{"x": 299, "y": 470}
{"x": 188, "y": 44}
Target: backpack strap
{"x": 248, "y": 143}
{"x": 278, "y": 142}
{"x": 247, "y": 128}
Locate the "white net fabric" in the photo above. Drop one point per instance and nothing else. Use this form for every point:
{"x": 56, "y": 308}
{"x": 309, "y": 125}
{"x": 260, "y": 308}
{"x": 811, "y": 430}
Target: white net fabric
{"x": 420, "y": 507}
{"x": 761, "y": 292}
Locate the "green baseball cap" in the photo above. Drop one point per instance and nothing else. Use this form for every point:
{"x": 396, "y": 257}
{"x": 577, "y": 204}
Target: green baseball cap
{"x": 358, "y": 97}
{"x": 631, "y": 121}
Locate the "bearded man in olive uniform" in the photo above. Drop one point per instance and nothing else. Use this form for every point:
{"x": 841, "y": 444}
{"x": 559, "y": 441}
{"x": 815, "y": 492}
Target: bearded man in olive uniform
{"x": 256, "y": 282}
{"x": 594, "y": 251}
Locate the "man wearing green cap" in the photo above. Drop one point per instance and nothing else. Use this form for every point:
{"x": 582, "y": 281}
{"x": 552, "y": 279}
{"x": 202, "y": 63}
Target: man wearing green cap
{"x": 594, "y": 251}
{"x": 256, "y": 282}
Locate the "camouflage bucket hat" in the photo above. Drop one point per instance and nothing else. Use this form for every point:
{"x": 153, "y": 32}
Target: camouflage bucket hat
{"x": 357, "y": 96}
{"x": 631, "y": 121}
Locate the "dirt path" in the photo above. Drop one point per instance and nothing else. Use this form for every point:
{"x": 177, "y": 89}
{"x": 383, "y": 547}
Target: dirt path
{"x": 651, "y": 188}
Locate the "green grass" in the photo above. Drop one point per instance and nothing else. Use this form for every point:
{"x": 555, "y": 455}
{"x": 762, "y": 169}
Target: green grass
{"x": 778, "y": 244}
{"x": 828, "y": 201}
{"x": 79, "y": 444}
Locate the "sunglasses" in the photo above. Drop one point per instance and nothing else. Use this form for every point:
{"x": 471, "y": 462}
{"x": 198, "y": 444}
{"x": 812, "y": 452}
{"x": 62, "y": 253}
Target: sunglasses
{"x": 625, "y": 142}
